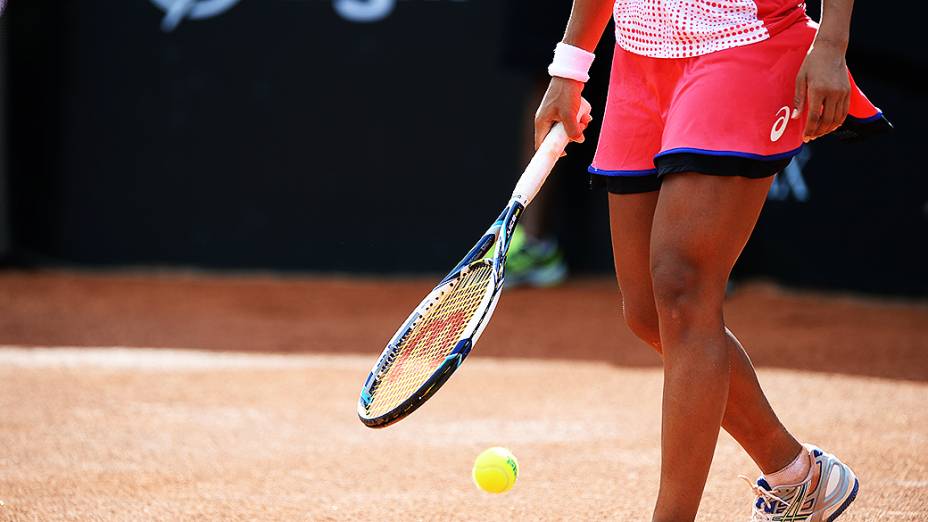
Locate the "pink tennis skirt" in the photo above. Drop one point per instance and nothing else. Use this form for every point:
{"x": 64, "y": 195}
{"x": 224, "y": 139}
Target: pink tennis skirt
{"x": 725, "y": 113}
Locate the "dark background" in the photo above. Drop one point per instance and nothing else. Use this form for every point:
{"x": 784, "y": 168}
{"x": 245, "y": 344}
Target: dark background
{"x": 280, "y": 136}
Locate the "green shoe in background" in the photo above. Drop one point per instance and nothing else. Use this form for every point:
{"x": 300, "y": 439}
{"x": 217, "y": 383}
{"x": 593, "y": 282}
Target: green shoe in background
{"x": 534, "y": 262}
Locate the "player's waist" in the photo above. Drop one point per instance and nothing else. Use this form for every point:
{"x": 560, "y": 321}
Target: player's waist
{"x": 669, "y": 35}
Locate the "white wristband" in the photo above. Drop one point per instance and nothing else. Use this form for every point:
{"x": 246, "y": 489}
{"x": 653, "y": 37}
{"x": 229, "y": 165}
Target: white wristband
{"x": 571, "y": 62}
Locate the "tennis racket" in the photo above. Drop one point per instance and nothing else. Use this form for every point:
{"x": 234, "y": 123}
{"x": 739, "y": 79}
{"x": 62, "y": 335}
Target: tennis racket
{"x": 440, "y": 333}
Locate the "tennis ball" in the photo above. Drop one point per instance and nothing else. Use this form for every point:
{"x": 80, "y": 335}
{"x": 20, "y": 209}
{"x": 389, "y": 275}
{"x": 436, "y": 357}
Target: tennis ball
{"x": 495, "y": 470}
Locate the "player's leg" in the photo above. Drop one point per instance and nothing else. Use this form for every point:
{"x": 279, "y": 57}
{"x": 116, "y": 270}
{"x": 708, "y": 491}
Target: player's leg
{"x": 748, "y": 418}
{"x": 630, "y": 218}
{"x": 701, "y": 224}
{"x": 728, "y": 117}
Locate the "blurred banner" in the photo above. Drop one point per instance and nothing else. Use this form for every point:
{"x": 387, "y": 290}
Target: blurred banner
{"x": 5, "y": 237}
{"x": 375, "y": 136}
{"x": 283, "y": 134}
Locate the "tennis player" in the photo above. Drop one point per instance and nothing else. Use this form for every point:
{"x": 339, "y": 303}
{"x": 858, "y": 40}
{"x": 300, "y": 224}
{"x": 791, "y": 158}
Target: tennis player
{"x": 708, "y": 99}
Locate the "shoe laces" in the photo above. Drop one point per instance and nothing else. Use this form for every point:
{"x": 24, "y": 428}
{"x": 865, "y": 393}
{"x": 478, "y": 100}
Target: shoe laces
{"x": 764, "y": 512}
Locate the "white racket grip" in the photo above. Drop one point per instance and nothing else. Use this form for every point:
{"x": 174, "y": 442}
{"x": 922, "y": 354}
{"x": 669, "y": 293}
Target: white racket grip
{"x": 544, "y": 159}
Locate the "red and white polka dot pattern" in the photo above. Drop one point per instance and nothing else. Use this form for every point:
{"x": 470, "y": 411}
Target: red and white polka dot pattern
{"x": 686, "y": 28}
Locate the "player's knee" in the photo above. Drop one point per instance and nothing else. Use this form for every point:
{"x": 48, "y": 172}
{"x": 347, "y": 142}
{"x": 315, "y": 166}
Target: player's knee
{"x": 677, "y": 287}
{"x": 642, "y": 321}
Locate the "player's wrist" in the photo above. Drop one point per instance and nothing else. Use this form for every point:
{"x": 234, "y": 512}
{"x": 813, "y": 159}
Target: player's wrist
{"x": 567, "y": 84}
{"x": 828, "y": 43}
{"x": 571, "y": 63}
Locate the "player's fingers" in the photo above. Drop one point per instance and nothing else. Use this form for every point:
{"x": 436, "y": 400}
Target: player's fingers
{"x": 584, "y": 123}
{"x": 799, "y": 95}
{"x": 845, "y": 109}
{"x": 841, "y": 109}
{"x": 829, "y": 115}
{"x": 840, "y": 112}
{"x": 573, "y": 130}
{"x": 542, "y": 128}
{"x": 586, "y": 119}
{"x": 572, "y": 127}
{"x": 813, "y": 114}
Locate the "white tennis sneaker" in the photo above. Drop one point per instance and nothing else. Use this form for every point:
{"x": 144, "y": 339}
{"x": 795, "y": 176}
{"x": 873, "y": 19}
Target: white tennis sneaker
{"x": 825, "y": 493}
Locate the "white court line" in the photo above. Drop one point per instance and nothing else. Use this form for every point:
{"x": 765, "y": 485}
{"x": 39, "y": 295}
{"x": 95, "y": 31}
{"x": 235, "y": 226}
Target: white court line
{"x": 170, "y": 359}
{"x": 173, "y": 359}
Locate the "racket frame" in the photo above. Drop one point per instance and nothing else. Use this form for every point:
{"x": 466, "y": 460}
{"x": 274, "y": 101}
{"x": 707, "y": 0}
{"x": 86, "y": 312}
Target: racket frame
{"x": 499, "y": 235}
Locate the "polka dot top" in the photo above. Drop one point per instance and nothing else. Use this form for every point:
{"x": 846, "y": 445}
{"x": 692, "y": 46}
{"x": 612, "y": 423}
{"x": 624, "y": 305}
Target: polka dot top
{"x": 686, "y": 28}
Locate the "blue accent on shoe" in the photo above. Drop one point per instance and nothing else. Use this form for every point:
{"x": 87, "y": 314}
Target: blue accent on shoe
{"x": 761, "y": 502}
{"x": 816, "y": 453}
{"x": 846, "y": 502}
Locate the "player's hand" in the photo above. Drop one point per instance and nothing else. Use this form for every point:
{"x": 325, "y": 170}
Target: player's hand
{"x": 823, "y": 89}
{"x": 561, "y": 104}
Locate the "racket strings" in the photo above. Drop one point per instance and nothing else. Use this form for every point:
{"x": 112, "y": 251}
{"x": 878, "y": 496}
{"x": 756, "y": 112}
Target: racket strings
{"x": 430, "y": 341}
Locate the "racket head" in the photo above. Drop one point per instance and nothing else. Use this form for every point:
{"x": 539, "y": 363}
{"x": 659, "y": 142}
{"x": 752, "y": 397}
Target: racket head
{"x": 430, "y": 345}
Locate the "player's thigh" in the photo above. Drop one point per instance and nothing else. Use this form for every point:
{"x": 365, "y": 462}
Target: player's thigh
{"x": 630, "y": 219}
{"x": 701, "y": 224}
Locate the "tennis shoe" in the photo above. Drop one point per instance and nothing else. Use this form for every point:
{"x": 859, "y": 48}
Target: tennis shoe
{"x": 534, "y": 262}
{"x": 826, "y": 492}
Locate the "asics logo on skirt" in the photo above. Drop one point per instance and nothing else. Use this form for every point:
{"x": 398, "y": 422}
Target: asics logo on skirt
{"x": 779, "y": 126}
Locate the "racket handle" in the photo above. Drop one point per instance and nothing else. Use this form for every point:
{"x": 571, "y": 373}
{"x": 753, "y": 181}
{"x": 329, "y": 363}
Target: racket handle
{"x": 544, "y": 159}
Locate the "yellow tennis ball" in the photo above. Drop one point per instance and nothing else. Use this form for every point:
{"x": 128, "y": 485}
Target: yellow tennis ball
{"x": 496, "y": 470}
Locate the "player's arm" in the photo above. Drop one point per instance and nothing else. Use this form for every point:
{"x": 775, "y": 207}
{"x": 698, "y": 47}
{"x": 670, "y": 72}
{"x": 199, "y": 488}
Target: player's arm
{"x": 822, "y": 84}
{"x": 588, "y": 19}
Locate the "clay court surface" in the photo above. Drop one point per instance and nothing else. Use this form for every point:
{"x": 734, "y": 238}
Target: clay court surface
{"x": 189, "y": 397}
